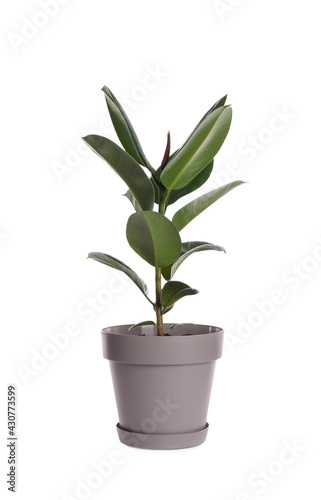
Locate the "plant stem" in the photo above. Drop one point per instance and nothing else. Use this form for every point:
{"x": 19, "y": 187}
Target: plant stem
{"x": 162, "y": 207}
{"x": 158, "y": 307}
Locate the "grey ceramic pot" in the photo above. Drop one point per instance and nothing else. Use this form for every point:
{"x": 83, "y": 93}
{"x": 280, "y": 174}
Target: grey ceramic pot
{"x": 162, "y": 384}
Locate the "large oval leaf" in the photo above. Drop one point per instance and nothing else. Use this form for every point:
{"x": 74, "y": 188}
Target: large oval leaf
{"x": 110, "y": 261}
{"x": 175, "y": 290}
{"x": 126, "y": 167}
{"x": 124, "y": 129}
{"x": 187, "y": 213}
{"x": 188, "y": 248}
{"x": 154, "y": 238}
{"x": 199, "y": 150}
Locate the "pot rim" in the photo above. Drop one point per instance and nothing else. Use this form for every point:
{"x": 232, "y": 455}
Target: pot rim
{"x": 125, "y": 347}
{"x": 114, "y": 330}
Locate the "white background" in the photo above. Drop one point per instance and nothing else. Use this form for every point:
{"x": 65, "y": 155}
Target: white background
{"x": 57, "y": 205}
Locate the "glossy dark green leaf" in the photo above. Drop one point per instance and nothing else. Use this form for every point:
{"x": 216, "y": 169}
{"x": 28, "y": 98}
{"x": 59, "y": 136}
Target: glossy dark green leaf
{"x": 124, "y": 129}
{"x": 176, "y": 194}
{"x": 195, "y": 207}
{"x": 110, "y": 261}
{"x": 156, "y": 193}
{"x": 217, "y": 105}
{"x": 142, "y": 324}
{"x": 175, "y": 290}
{"x": 197, "y": 182}
{"x": 188, "y": 248}
{"x": 199, "y": 150}
{"x": 154, "y": 238}
{"x": 126, "y": 167}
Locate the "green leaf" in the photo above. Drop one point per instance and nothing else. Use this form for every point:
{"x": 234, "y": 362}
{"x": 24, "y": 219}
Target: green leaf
{"x": 154, "y": 238}
{"x": 141, "y": 324}
{"x": 187, "y": 213}
{"x": 110, "y": 261}
{"x": 197, "y": 182}
{"x": 177, "y": 324}
{"x": 124, "y": 129}
{"x": 165, "y": 311}
{"x": 175, "y": 290}
{"x": 126, "y": 167}
{"x": 199, "y": 150}
{"x": 188, "y": 248}
{"x": 217, "y": 105}
{"x": 133, "y": 201}
{"x": 156, "y": 190}
{"x": 176, "y": 194}
{"x": 220, "y": 102}
{"x": 159, "y": 189}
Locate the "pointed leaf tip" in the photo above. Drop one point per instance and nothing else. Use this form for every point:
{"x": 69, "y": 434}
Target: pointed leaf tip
{"x": 188, "y": 248}
{"x": 126, "y": 167}
{"x": 125, "y": 130}
{"x": 199, "y": 149}
{"x": 167, "y": 151}
{"x": 187, "y": 213}
{"x": 175, "y": 290}
{"x": 110, "y": 261}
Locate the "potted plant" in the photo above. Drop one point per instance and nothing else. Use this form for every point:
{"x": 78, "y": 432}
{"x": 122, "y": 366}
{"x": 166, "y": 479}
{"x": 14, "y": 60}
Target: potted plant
{"x": 162, "y": 372}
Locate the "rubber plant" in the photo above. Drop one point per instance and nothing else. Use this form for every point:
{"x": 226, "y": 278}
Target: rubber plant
{"x": 150, "y": 233}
